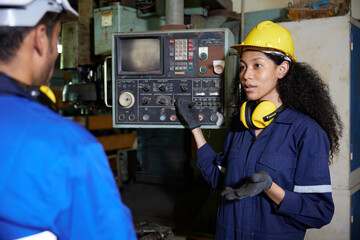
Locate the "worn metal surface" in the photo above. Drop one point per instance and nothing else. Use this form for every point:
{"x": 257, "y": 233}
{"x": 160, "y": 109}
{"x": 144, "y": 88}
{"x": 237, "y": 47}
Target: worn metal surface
{"x": 114, "y": 19}
{"x": 76, "y": 42}
{"x": 174, "y": 11}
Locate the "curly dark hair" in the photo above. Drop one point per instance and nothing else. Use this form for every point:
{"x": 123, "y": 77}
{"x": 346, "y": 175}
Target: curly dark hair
{"x": 303, "y": 90}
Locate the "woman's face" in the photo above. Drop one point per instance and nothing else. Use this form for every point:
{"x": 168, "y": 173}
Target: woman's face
{"x": 259, "y": 76}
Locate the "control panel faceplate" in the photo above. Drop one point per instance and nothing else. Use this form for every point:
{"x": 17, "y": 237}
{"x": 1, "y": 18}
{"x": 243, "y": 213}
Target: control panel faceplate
{"x": 192, "y": 66}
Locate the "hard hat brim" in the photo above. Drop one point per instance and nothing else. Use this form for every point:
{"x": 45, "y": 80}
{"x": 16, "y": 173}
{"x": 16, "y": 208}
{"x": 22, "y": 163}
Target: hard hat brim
{"x": 30, "y": 13}
{"x": 242, "y": 47}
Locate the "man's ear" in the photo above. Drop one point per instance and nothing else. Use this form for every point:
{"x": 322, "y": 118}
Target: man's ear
{"x": 283, "y": 68}
{"x": 41, "y": 39}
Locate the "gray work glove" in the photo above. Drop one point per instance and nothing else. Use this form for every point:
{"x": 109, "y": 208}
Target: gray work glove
{"x": 186, "y": 109}
{"x": 257, "y": 183}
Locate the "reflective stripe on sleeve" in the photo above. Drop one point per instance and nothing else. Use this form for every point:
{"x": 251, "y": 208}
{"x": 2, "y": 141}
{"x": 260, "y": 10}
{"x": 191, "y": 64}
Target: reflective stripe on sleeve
{"x": 47, "y": 235}
{"x": 313, "y": 189}
{"x": 222, "y": 169}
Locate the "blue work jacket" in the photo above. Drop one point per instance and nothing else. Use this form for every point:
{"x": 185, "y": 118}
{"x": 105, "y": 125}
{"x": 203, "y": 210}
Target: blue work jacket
{"x": 54, "y": 175}
{"x": 294, "y": 151}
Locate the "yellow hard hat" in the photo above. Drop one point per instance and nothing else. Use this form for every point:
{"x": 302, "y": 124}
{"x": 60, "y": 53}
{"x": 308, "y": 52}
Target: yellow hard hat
{"x": 268, "y": 36}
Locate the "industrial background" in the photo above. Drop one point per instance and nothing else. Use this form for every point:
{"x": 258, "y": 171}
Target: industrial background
{"x": 152, "y": 157}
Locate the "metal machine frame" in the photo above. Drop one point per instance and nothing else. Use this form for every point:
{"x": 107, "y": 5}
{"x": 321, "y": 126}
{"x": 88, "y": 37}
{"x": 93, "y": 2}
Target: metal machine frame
{"x": 196, "y": 75}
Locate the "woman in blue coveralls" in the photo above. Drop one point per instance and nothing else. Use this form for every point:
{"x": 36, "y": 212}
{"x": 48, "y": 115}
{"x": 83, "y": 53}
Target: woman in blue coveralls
{"x": 274, "y": 170}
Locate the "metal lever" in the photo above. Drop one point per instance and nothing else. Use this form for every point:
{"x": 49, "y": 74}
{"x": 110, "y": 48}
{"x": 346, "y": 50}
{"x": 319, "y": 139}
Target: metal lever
{"x": 105, "y": 82}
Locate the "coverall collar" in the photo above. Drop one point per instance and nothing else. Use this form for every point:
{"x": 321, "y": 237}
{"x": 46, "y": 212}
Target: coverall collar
{"x": 9, "y": 86}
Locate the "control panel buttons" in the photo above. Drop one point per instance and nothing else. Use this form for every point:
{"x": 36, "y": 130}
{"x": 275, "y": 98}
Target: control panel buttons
{"x": 157, "y": 107}
{"x": 121, "y": 117}
{"x": 131, "y": 117}
{"x": 203, "y": 56}
{"x": 145, "y": 101}
{"x": 201, "y": 117}
{"x": 126, "y": 100}
{"x": 146, "y": 117}
{"x": 213, "y": 118}
{"x": 181, "y": 47}
{"x": 145, "y": 88}
{"x": 218, "y": 66}
{"x": 162, "y": 101}
{"x": 203, "y": 53}
{"x": 218, "y": 69}
{"x": 162, "y": 88}
{"x": 202, "y": 69}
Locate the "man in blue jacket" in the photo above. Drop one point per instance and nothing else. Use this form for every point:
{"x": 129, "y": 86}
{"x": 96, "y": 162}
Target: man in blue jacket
{"x": 55, "y": 180}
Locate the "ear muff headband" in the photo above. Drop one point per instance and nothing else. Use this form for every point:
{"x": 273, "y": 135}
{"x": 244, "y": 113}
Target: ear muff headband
{"x": 273, "y": 114}
{"x": 260, "y": 115}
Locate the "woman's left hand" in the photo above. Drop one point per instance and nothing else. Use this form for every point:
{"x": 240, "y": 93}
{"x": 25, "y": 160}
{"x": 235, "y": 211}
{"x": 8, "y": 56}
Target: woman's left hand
{"x": 256, "y": 184}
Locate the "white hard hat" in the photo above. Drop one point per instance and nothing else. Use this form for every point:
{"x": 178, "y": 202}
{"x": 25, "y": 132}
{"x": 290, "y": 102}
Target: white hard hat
{"x": 27, "y": 13}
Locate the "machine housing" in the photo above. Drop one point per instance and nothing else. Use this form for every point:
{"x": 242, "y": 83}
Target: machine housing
{"x": 151, "y": 70}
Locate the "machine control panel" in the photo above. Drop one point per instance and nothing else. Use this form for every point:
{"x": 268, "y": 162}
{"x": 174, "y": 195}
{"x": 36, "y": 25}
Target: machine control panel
{"x": 151, "y": 70}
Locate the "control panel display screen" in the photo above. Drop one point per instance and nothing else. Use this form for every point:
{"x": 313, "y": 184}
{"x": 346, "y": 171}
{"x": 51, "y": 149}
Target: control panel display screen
{"x": 139, "y": 56}
{"x": 151, "y": 70}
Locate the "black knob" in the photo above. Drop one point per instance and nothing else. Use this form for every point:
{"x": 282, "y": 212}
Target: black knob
{"x": 162, "y": 101}
{"x": 145, "y": 88}
{"x": 145, "y": 101}
{"x": 162, "y": 88}
{"x": 183, "y": 88}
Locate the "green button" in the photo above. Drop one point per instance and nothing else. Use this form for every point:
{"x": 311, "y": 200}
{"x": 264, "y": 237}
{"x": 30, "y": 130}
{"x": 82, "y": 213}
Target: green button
{"x": 203, "y": 69}
{"x": 191, "y": 68}
{"x": 203, "y": 56}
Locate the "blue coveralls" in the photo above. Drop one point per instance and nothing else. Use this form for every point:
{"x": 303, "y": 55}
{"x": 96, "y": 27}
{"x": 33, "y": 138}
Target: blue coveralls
{"x": 54, "y": 175}
{"x": 294, "y": 151}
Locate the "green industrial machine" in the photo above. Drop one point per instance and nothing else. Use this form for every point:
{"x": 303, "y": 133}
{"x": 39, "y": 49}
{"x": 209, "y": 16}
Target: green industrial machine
{"x": 108, "y": 20}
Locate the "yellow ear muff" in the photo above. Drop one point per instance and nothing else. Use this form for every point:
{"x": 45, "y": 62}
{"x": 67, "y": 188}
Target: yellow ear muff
{"x": 245, "y": 113}
{"x": 48, "y": 92}
{"x": 258, "y": 115}
{"x": 263, "y": 109}
{"x": 242, "y": 114}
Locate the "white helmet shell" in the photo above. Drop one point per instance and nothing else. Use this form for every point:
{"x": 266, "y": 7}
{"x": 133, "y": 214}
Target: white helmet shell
{"x": 27, "y": 13}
